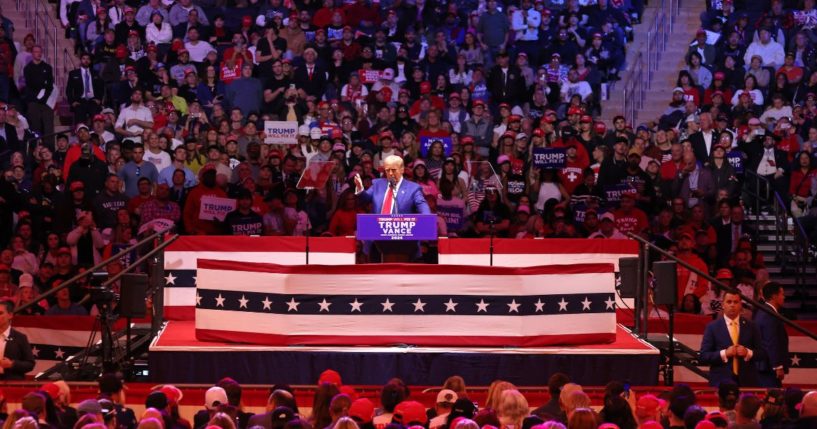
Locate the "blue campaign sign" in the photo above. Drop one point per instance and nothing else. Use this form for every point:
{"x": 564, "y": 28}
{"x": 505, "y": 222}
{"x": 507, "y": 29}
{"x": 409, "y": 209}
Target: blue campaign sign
{"x": 396, "y": 227}
{"x": 453, "y": 215}
{"x": 426, "y": 142}
{"x": 735, "y": 158}
{"x": 613, "y": 193}
{"x": 549, "y": 157}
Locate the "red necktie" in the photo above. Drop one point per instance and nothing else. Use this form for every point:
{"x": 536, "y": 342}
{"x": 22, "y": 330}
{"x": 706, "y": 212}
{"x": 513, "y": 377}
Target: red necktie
{"x": 309, "y": 70}
{"x": 387, "y": 203}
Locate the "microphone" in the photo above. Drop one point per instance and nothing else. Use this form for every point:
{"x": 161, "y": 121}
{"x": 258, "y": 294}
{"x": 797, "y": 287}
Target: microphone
{"x": 392, "y": 183}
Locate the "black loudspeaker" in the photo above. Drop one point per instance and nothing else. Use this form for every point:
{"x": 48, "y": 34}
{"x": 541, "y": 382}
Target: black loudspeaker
{"x": 132, "y": 290}
{"x": 666, "y": 283}
{"x": 628, "y": 273}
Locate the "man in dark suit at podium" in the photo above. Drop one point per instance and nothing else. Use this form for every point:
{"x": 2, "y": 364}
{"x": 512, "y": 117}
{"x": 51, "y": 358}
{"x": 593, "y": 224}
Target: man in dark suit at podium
{"x": 732, "y": 346}
{"x": 393, "y": 194}
{"x": 16, "y": 358}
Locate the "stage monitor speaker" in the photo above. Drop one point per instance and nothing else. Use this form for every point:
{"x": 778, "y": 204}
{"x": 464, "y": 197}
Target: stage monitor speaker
{"x": 133, "y": 288}
{"x": 628, "y": 274}
{"x": 666, "y": 282}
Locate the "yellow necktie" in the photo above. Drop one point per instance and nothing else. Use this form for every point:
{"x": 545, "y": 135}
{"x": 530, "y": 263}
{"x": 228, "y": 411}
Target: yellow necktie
{"x": 733, "y": 332}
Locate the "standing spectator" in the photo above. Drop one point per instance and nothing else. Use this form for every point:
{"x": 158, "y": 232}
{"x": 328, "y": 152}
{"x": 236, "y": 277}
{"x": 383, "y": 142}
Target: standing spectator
{"x": 134, "y": 119}
{"x": 245, "y": 93}
{"x": 493, "y": 31}
{"x": 136, "y": 169}
{"x": 109, "y": 202}
{"x": 39, "y": 78}
{"x": 310, "y": 78}
{"x": 17, "y": 358}
{"x": 84, "y": 90}
{"x": 85, "y": 241}
{"x": 772, "y": 370}
{"x": 732, "y": 345}
{"x": 505, "y": 81}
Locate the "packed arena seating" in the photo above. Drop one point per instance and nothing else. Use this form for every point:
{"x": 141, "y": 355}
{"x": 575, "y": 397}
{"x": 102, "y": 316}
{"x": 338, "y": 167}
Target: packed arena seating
{"x": 170, "y": 100}
{"x": 494, "y": 108}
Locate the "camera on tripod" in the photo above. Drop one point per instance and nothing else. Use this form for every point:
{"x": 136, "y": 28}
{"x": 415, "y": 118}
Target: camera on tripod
{"x": 101, "y": 295}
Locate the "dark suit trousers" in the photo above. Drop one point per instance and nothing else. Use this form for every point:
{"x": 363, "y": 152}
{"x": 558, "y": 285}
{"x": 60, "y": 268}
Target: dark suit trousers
{"x": 85, "y": 110}
{"x": 41, "y": 118}
{"x": 768, "y": 379}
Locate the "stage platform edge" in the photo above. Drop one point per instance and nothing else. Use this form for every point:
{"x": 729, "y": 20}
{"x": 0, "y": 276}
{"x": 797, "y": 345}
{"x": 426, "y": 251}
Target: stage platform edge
{"x": 177, "y": 357}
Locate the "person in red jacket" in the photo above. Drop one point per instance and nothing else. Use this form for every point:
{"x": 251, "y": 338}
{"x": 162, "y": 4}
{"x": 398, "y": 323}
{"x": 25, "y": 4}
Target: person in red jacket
{"x": 689, "y": 282}
{"x": 75, "y": 151}
{"x": 192, "y": 207}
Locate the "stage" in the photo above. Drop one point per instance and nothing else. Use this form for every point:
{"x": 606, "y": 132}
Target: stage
{"x": 176, "y": 356}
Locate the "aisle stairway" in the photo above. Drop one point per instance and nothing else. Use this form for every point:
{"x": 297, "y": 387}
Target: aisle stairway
{"x": 801, "y": 301}
{"x": 40, "y": 18}
{"x": 671, "y": 61}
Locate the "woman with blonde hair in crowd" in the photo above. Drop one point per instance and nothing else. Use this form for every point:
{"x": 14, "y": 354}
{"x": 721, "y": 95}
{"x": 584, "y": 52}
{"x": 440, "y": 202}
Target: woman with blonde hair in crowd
{"x": 222, "y": 420}
{"x": 148, "y": 423}
{"x": 582, "y": 418}
{"x": 513, "y": 409}
{"x": 495, "y": 391}
{"x": 346, "y": 423}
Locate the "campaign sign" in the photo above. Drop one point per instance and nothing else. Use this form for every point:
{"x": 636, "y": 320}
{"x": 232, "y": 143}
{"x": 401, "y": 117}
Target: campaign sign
{"x": 396, "y": 227}
{"x": 215, "y": 208}
{"x": 735, "y": 158}
{"x": 613, "y": 192}
{"x": 426, "y": 142}
{"x": 453, "y": 216}
{"x": 549, "y": 157}
{"x": 368, "y": 76}
{"x": 280, "y": 132}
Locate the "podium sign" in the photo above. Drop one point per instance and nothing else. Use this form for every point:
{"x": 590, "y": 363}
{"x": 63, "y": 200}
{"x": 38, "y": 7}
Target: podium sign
{"x": 408, "y": 227}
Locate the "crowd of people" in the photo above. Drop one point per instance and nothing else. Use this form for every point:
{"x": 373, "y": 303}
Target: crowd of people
{"x": 493, "y": 107}
{"x": 340, "y": 406}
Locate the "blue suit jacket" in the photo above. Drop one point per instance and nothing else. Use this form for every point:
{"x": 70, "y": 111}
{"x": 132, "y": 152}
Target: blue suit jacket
{"x": 717, "y": 338}
{"x": 775, "y": 341}
{"x": 410, "y": 198}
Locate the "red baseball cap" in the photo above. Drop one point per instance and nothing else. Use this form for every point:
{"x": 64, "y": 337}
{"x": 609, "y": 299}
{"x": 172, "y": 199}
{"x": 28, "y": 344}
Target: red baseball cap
{"x": 408, "y": 412}
{"x": 362, "y": 410}
{"x": 425, "y": 88}
{"x": 330, "y": 376}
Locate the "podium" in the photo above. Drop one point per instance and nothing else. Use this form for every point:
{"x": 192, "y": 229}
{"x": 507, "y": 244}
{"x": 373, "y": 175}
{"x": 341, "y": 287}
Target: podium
{"x": 395, "y": 236}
